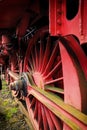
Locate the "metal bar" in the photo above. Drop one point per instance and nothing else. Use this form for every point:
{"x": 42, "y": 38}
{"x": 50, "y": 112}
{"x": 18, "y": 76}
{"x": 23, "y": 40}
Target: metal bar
{"x": 46, "y": 55}
{"x": 54, "y": 89}
{"x": 53, "y": 81}
{"x": 15, "y": 76}
{"x": 49, "y": 120}
{"x": 50, "y": 62}
{"x": 68, "y": 114}
{"x": 53, "y": 70}
{"x": 56, "y": 121}
{"x": 25, "y": 112}
{"x": 44, "y": 117}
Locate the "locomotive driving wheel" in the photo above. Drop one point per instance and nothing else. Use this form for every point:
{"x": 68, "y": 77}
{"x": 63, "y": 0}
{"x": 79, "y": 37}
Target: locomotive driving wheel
{"x": 53, "y": 83}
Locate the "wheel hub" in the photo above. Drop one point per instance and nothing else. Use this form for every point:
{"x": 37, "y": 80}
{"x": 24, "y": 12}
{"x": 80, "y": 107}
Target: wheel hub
{"x": 38, "y": 79}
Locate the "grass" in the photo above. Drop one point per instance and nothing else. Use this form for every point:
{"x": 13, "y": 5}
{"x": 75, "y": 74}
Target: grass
{"x": 10, "y": 116}
{"x": 7, "y": 105}
{"x": 10, "y": 112}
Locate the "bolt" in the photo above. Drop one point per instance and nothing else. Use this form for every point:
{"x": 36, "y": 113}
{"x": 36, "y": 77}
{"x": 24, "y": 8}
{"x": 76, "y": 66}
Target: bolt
{"x": 59, "y": 22}
{"x": 59, "y": 12}
{"x": 16, "y": 85}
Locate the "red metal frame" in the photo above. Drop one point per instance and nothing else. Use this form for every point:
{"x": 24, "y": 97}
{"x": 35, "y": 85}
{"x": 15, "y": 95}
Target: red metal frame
{"x": 60, "y": 25}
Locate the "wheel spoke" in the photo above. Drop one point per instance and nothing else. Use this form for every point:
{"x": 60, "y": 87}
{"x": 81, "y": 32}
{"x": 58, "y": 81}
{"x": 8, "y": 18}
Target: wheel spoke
{"x": 32, "y": 63}
{"x": 46, "y": 55}
{"x": 56, "y": 121}
{"x": 49, "y": 120}
{"x": 36, "y": 110}
{"x": 54, "y": 89}
{"x": 44, "y": 118}
{"x": 36, "y": 59}
{"x": 41, "y": 54}
{"x": 39, "y": 116}
{"x": 53, "y": 81}
{"x": 52, "y": 71}
{"x": 33, "y": 102}
{"x": 51, "y": 60}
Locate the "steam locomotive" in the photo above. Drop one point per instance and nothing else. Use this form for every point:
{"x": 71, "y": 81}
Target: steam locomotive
{"x": 43, "y": 53}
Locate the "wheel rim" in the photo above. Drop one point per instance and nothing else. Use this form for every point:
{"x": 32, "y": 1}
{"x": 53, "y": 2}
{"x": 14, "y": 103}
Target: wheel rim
{"x": 47, "y": 74}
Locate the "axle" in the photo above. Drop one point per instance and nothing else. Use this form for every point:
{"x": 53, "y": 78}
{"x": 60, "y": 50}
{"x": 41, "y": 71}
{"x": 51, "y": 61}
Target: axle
{"x": 20, "y": 83}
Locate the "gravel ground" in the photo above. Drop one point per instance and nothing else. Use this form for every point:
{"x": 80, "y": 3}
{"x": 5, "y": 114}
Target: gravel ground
{"x": 10, "y": 116}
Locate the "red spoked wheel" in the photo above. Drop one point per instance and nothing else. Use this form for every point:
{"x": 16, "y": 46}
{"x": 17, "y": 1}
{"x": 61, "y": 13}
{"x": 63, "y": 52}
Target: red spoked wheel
{"x": 53, "y": 81}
